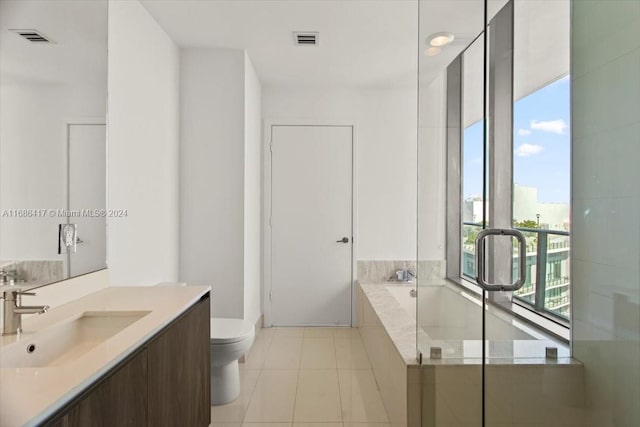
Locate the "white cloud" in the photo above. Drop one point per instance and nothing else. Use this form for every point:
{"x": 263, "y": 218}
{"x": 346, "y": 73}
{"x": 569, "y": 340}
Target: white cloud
{"x": 553, "y": 126}
{"x": 524, "y": 132}
{"x": 526, "y": 150}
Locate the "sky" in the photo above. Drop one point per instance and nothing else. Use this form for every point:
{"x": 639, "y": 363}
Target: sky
{"x": 541, "y": 149}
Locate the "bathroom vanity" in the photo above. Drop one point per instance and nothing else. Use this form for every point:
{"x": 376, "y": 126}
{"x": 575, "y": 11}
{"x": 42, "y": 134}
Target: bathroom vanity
{"x": 134, "y": 356}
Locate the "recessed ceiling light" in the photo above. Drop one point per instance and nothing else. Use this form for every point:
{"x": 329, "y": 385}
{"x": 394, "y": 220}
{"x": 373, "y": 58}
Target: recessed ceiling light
{"x": 440, "y": 39}
{"x": 432, "y": 51}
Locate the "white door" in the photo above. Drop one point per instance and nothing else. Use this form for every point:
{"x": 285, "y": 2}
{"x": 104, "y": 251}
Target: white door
{"x": 311, "y": 225}
{"x": 87, "y": 190}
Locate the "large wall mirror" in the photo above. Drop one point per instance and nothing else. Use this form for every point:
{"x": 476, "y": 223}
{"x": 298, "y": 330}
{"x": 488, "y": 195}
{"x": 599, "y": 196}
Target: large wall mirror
{"x": 53, "y": 97}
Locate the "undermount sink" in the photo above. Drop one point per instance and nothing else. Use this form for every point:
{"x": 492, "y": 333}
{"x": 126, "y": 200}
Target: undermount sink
{"x": 63, "y": 343}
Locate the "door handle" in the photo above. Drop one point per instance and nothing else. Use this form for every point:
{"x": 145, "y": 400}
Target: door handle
{"x": 343, "y": 240}
{"x": 480, "y": 259}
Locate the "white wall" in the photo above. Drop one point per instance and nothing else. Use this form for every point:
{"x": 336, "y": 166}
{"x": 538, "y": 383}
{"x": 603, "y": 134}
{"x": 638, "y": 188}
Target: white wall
{"x": 386, "y": 126}
{"x": 606, "y": 201}
{"x": 252, "y": 192}
{"x": 212, "y": 175}
{"x": 220, "y": 179}
{"x": 143, "y": 148}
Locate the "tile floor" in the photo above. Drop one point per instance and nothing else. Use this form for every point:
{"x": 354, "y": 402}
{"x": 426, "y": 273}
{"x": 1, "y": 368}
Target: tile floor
{"x": 305, "y": 377}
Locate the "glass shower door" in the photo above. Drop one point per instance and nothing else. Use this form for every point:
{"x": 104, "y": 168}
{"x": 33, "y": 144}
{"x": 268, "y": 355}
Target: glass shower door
{"x": 480, "y": 137}
{"x": 450, "y": 206}
{"x": 528, "y": 375}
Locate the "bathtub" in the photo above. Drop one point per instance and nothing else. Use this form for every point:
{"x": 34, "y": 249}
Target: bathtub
{"x": 429, "y": 392}
{"x": 451, "y": 318}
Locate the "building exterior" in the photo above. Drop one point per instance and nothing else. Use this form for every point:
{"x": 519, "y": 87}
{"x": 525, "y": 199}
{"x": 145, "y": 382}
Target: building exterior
{"x": 548, "y": 247}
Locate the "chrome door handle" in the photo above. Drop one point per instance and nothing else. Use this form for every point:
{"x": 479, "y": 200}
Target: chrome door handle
{"x": 480, "y": 259}
{"x": 343, "y": 240}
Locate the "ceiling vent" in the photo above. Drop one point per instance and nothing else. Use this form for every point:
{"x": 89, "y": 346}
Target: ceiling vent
{"x": 306, "y": 38}
{"x": 34, "y": 36}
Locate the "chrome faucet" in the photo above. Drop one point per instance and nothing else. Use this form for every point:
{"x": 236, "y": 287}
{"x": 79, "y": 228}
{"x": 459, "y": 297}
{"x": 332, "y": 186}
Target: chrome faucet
{"x": 13, "y": 311}
{"x": 408, "y": 275}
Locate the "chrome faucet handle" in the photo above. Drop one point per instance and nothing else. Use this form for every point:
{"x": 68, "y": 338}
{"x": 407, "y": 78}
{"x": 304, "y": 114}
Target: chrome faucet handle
{"x": 14, "y": 294}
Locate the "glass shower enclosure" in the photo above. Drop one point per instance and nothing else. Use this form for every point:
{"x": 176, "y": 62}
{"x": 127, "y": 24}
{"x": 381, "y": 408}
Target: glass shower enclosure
{"x": 493, "y": 309}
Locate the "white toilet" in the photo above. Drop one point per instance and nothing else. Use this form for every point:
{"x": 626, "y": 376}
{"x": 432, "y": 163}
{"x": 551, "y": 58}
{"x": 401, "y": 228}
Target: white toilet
{"x": 230, "y": 339}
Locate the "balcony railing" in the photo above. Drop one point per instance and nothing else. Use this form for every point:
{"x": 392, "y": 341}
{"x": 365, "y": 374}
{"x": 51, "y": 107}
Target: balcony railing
{"x": 547, "y": 286}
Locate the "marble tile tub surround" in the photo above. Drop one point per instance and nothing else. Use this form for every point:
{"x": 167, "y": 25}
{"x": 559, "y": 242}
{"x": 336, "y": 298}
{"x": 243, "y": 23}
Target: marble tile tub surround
{"x": 515, "y": 395}
{"x": 397, "y": 375}
{"x": 432, "y": 271}
{"x": 431, "y": 394}
{"x": 36, "y": 272}
{"x": 388, "y": 313}
{"x": 446, "y": 323}
{"x": 381, "y": 271}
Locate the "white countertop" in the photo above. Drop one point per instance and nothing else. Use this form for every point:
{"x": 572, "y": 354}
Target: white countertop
{"x": 30, "y": 395}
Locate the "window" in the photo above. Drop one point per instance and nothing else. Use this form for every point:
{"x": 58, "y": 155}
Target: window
{"x": 528, "y": 146}
{"x": 472, "y": 153}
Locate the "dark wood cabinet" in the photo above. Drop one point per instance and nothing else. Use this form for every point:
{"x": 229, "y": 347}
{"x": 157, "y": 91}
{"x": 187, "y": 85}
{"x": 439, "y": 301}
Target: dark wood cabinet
{"x": 164, "y": 383}
{"x": 119, "y": 399}
{"x": 179, "y": 372}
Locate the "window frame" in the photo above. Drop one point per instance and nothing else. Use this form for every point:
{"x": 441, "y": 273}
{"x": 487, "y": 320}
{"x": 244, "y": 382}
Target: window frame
{"x": 499, "y": 158}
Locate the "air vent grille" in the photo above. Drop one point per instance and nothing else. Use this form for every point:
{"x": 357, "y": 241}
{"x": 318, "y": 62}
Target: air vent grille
{"x": 306, "y": 38}
{"x": 33, "y": 36}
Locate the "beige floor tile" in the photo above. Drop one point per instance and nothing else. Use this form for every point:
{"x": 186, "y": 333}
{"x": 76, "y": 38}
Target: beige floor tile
{"x": 318, "y": 353}
{"x": 346, "y": 332}
{"x": 266, "y": 425}
{"x": 317, "y": 424}
{"x": 367, "y": 425}
{"x": 318, "y": 332}
{"x": 351, "y": 354}
{"x": 287, "y": 331}
{"x": 361, "y": 401}
{"x": 317, "y": 398}
{"x": 225, "y": 425}
{"x": 284, "y": 353}
{"x": 267, "y": 333}
{"x": 274, "y": 397}
{"x": 235, "y": 411}
{"x": 258, "y": 353}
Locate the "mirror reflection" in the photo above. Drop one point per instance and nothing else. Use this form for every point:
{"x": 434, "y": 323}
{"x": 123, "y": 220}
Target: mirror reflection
{"x": 53, "y": 90}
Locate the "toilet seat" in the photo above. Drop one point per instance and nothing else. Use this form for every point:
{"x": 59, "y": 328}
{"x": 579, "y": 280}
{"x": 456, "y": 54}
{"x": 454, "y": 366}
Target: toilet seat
{"x": 226, "y": 331}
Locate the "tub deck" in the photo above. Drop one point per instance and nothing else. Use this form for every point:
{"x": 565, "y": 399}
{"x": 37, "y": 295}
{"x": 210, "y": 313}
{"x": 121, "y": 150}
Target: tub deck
{"x": 450, "y": 319}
